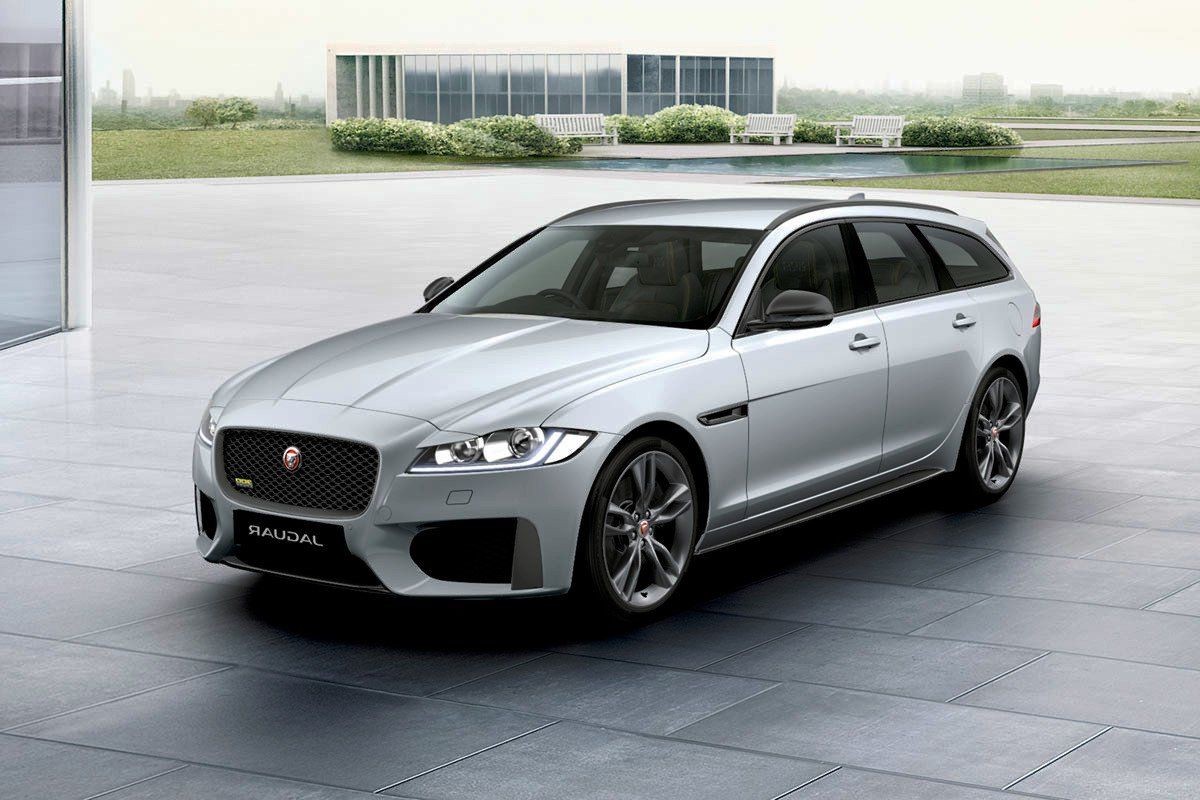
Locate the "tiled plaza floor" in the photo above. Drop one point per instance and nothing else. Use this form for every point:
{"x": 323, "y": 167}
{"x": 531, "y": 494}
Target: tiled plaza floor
{"x": 1047, "y": 646}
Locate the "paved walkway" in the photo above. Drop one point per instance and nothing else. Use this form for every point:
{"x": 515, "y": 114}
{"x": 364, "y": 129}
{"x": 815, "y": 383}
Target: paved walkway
{"x": 1049, "y": 644}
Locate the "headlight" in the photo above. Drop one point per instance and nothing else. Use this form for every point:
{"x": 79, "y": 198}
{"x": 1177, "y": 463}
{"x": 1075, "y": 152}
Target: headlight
{"x": 507, "y": 449}
{"x": 208, "y": 424}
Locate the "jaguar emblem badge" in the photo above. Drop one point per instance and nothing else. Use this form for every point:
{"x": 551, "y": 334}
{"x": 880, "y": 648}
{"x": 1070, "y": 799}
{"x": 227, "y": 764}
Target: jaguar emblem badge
{"x": 291, "y": 459}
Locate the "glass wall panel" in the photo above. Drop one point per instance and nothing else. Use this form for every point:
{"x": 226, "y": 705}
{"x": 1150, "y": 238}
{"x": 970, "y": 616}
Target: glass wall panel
{"x": 31, "y": 169}
{"x": 603, "y": 84}
{"x": 751, "y": 85}
{"x": 454, "y": 84}
{"x": 564, "y": 84}
{"x": 491, "y": 85}
{"x": 651, "y": 83}
{"x": 702, "y": 80}
{"x": 528, "y": 84}
{"x": 420, "y": 87}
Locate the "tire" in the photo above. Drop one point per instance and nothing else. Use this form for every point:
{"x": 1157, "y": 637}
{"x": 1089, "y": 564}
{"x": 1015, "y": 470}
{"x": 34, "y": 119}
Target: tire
{"x": 629, "y": 565}
{"x": 993, "y": 439}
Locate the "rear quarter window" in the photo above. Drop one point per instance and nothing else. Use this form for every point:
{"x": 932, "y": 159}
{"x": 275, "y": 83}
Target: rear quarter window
{"x": 968, "y": 260}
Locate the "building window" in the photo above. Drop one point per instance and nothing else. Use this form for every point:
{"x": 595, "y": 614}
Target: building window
{"x": 603, "y": 84}
{"x": 564, "y": 84}
{"x": 420, "y": 88}
{"x": 702, "y": 80}
{"x": 528, "y": 84}
{"x": 751, "y": 85}
{"x": 454, "y": 88}
{"x": 651, "y": 83}
{"x": 491, "y": 85}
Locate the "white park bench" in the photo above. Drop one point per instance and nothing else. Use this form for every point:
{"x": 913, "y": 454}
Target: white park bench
{"x": 886, "y": 129}
{"x": 577, "y": 126}
{"x": 776, "y": 126}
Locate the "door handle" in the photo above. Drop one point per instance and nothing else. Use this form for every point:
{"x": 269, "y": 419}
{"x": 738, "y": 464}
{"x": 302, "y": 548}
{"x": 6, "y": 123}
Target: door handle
{"x": 962, "y": 321}
{"x": 863, "y": 342}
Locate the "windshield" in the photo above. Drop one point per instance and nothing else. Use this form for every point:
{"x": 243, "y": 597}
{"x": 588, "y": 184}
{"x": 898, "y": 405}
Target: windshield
{"x": 649, "y": 275}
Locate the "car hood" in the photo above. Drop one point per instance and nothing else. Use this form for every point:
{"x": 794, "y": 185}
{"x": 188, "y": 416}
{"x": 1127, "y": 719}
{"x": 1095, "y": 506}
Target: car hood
{"x": 470, "y": 374}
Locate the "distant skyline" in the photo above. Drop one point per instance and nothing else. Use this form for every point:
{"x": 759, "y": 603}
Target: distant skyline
{"x": 238, "y": 47}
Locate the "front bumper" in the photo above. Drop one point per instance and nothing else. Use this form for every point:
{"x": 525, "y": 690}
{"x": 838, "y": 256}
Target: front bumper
{"x": 544, "y": 504}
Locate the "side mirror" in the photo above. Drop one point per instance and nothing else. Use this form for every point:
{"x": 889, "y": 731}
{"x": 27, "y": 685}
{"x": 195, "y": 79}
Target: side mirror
{"x": 436, "y": 287}
{"x": 794, "y": 308}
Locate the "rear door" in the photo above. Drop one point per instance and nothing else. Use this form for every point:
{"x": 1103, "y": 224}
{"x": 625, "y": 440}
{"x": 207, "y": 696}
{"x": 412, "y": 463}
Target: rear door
{"x": 818, "y": 395}
{"x": 933, "y": 338}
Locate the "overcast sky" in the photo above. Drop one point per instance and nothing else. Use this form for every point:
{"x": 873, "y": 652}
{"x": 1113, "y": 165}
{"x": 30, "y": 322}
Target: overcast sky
{"x": 245, "y": 46}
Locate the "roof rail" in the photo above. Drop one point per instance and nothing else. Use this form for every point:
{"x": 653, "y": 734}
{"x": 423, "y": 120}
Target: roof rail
{"x": 617, "y": 204}
{"x": 795, "y": 212}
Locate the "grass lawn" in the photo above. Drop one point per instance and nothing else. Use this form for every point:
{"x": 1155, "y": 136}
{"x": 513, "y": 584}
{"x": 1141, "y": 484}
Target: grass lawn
{"x": 1043, "y": 134}
{"x": 1099, "y": 120}
{"x": 183, "y": 153}
{"x": 1164, "y": 180}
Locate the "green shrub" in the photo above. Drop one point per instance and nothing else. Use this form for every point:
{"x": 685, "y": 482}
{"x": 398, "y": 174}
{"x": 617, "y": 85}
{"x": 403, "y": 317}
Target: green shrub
{"x": 236, "y": 109}
{"x": 204, "y": 111}
{"x": 485, "y": 137}
{"x": 630, "y": 130}
{"x": 283, "y": 124}
{"x": 957, "y": 132}
{"x": 524, "y": 132}
{"x": 807, "y": 130}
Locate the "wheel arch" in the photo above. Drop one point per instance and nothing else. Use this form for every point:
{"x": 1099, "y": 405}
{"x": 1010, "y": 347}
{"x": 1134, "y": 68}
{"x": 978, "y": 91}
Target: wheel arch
{"x": 1015, "y": 365}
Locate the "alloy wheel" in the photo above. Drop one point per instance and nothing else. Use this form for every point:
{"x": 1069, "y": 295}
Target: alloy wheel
{"x": 648, "y": 529}
{"x": 999, "y": 433}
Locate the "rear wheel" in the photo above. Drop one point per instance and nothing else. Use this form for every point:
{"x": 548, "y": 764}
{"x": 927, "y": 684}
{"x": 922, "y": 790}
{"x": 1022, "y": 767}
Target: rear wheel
{"x": 993, "y": 440}
{"x": 639, "y": 530}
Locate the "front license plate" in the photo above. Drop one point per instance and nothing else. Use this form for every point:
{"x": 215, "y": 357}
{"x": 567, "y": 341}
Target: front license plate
{"x": 268, "y": 536}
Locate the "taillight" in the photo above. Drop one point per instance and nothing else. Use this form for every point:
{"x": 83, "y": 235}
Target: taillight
{"x": 1037, "y": 315}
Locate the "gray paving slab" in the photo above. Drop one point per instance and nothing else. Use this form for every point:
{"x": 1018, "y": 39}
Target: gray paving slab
{"x": 15, "y": 501}
{"x": 688, "y": 639}
{"x": 34, "y": 770}
{"x": 568, "y": 760}
{"x": 188, "y": 567}
{"x": 632, "y": 697}
{"x": 916, "y": 737}
{"x": 1074, "y": 579}
{"x": 931, "y": 669}
{"x": 290, "y": 727}
{"x": 852, "y": 604}
{"x": 41, "y": 598}
{"x": 43, "y": 678}
{"x": 1019, "y": 534}
{"x": 892, "y": 561}
{"x": 1147, "y": 636}
{"x": 1186, "y": 601}
{"x": 1156, "y": 512}
{"x": 222, "y": 784}
{"x": 1166, "y": 548}
{"x": 1041, "y": 502}
{"x": 1156, "y": 482}
{"x": 853, "y": 784}
{"x": 95, "y": 534}
{"x": 1121, "y": 693}
{"x": 321, "y": 636}
{"x": 1123, "y": 765}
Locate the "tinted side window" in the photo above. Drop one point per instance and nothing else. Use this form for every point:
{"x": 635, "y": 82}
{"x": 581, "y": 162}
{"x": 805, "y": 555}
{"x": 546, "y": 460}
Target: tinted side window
{"x": 900, "y": 267}
{"x": 814, "y": 261}
{"x": 967, "y": 259}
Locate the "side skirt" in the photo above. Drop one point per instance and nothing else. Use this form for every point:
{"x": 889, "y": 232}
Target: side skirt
{"x": 842, "y": 503}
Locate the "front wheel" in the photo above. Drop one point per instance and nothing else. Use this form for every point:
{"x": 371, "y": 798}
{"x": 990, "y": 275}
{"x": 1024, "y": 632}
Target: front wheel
{"x": 993, "y": 440}
{"x": 639, "y": 530}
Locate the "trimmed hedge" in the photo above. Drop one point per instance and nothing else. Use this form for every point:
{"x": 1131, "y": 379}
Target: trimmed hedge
{"x": 683, "y": 124}
{"x": 483, "y": 137}
{"x": 957, "y": 132}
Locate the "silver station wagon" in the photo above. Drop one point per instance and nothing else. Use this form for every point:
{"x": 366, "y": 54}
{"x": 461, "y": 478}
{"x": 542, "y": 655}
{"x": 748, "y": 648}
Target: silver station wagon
{"x": 622, "y": 389}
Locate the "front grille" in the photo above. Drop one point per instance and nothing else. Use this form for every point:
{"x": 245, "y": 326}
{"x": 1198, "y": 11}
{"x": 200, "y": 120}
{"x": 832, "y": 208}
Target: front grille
{"x": 334, "y": 475}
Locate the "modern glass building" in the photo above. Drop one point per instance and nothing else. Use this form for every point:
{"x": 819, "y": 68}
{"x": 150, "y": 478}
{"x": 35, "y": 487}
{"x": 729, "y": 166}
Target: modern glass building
{"x": 45, "y": 170}
{"x": 446, "y": 85}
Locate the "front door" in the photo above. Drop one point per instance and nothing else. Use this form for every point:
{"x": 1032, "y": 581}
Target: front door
{"x": 817, "y": 395}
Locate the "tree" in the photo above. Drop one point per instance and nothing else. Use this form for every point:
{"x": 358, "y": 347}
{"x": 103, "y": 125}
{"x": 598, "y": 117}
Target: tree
{"x": 204, "y": 111}
{"x": 236, "y": 109}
